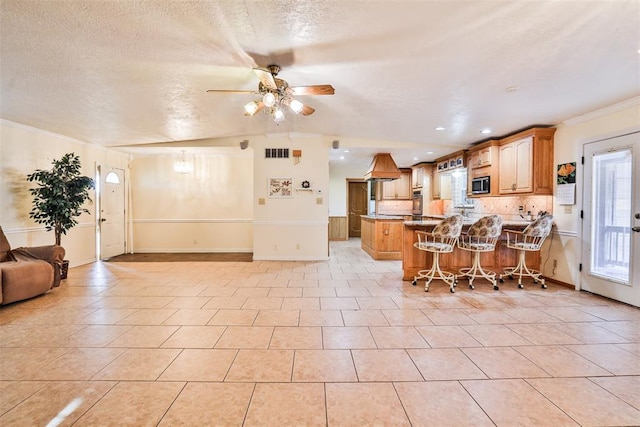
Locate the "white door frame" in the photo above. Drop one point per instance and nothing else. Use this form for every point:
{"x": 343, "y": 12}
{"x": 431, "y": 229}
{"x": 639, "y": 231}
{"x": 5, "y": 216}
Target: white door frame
{"x": 102, "y": 171}
{"x": 585, "y": 240}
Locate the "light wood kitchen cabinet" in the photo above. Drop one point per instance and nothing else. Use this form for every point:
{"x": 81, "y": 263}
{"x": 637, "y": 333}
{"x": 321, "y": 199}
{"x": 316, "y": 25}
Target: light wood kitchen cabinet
{"x": 441, "y": 184}
{"x": 482, "y": 155}
{"x": 482, "y": 160}
{"x": 398, "y": 189}
{"x": 382, "y": 237}
{"x": 526, "y": 162}
{"x": 441, "y": 188}
{"x": 417, "y": 176}
{"x": 435, "y": 181}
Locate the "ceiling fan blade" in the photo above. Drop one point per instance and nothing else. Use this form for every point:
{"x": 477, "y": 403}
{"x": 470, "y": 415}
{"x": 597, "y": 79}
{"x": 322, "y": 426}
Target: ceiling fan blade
{"x": 233, "y": 91}
{"x": 313, "y": 90}
{"x": 306, "y": 110}
{"x": 266, "y": 78}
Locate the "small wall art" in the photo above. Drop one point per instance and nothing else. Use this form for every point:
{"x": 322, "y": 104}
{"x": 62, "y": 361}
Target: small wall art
{"x": 567, "y": 173}
{"x": 566, "y": 180}
{"x": 280, "y": 187}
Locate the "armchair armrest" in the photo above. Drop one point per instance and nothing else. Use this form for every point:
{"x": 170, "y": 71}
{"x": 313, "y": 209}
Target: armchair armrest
{"x": 51, "y": 253}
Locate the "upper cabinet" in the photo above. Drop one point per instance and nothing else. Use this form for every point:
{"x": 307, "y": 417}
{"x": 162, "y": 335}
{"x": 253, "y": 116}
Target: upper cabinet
{"x": 482, "y": 161}
{"x": 483, "y": 155}
{"x": 526, "y": 162}
{"x": 398, "y": 189}
{"x": 441, "y": 184}
{"x": 417, "y": 176}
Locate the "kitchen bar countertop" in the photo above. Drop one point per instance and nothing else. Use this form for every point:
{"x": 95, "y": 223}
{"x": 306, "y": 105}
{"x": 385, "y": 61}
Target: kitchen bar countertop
{"x": 468, "y": 221}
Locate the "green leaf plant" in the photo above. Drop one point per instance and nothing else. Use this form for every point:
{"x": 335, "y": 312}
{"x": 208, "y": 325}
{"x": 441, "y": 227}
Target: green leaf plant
{"x": 60, "y": 195}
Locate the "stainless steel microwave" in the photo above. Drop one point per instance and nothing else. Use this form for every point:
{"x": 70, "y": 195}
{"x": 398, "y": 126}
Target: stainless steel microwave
{"x": 481, "y": 185}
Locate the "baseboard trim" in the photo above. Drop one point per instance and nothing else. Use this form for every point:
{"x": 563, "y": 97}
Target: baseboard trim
{"x": 559, "y": 282}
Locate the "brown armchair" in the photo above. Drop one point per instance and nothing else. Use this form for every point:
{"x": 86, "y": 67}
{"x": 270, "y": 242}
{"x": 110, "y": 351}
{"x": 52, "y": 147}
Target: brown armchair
{"x": 28, "y": 272}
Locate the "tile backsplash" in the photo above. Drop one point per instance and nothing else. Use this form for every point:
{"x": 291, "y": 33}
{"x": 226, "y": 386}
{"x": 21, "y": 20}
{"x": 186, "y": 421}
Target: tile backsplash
{"x": 507, "y": 206}
{"x": 395, "y": 207}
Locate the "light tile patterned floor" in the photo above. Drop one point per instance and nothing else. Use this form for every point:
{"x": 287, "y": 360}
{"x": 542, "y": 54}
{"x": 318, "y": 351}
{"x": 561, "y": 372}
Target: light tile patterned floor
{"x": 341, "y": 342}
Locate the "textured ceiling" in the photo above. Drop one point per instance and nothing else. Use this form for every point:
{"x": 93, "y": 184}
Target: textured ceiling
{"x": 120, "y": 72}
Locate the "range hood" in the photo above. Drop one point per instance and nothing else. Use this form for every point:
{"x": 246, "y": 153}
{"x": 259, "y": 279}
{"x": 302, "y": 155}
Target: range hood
{"x": 382, "y": 168}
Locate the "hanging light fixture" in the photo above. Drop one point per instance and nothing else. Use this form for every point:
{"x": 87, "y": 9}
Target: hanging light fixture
{"x": 269, "y": 99}
{"x": 182, "y": 166}
{"x": 251, "y": 108}
{"x": 273, "y": 102}
{"x": 295, "y": 105}
{"x": 278, "y": 115}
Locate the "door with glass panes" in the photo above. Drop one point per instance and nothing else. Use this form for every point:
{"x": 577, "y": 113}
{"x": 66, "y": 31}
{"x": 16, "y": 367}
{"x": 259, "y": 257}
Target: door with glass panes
{"x": 611, "y": 218}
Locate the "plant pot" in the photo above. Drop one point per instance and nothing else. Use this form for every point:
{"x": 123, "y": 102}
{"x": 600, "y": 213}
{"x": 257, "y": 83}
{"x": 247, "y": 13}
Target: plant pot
{"x": 64, "y": 269}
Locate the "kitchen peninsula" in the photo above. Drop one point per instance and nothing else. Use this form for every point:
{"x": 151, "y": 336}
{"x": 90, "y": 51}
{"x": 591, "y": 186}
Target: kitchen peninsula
{"x": 414, "y": 260}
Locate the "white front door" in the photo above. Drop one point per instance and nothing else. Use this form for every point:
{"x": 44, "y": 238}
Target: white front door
{"x": 611, "y": 226}
{"x": 112, "y": 212}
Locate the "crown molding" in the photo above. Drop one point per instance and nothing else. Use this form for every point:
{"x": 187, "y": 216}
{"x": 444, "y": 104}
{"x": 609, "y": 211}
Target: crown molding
{"x": 604, "y": 111}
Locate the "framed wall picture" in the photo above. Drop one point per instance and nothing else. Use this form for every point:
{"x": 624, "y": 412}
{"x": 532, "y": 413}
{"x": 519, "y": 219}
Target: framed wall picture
{"x": 280, "y": 187}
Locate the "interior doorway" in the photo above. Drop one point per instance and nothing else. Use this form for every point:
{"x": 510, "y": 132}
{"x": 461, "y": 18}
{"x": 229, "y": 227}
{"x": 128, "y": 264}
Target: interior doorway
{"x": 611, "y": 227}
{"x": 357, "y": 205}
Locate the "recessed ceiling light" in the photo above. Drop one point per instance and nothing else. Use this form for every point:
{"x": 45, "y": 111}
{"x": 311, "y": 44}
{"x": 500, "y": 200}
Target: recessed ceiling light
{"x": 440, "y": 128}
{"x": 512, "y": 88}
{"x": 429, "y": 152}
{"x": 485, "y": 131}
{"x": 415, "y": 158}
{"x": 341, "y": 157}
{"x": 347, "y": 151}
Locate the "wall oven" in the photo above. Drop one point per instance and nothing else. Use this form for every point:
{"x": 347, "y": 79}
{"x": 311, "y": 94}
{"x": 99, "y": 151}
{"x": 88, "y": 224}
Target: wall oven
{"x": 417, "y": 203}
{"x": 481, "y": 185}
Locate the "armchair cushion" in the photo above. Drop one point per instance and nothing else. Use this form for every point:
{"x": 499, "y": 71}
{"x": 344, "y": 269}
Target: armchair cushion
{"x": 28, "y": 272}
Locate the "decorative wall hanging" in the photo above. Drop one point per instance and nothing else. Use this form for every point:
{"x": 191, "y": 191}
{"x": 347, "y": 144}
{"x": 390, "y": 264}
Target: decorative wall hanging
{"x": 566, "y": 180}
{"x": 280, "y": 187}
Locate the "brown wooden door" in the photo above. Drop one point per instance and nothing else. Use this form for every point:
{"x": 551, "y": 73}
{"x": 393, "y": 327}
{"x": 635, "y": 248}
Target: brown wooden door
{"x": 357, "y": 206}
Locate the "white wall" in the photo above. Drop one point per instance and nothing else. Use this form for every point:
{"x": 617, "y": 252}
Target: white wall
{"x": 568, "y": 146}
{"x": 24, "y": 149}
{"x": 294, "y": 228}
{"x": 207, "y": 210}
{"x": 338, "y": 176}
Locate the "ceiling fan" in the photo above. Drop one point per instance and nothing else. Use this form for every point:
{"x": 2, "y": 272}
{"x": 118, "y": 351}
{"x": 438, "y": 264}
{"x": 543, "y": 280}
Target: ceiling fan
{"x": 277, "y": 94}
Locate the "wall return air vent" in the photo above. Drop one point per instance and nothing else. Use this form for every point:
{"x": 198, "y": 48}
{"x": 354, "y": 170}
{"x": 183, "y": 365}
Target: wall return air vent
{"x": 276, "y": 153}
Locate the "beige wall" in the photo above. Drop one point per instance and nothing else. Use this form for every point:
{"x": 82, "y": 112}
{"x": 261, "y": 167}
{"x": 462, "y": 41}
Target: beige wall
{"x": 24, "y": 149}
{"x": 294, "y": 228}
{"x": 569, "y": 141}
{"x": 207, "y": 210}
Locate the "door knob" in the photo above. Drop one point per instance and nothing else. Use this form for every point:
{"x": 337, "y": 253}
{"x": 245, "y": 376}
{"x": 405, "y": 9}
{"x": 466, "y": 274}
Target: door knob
{"x": 636, "y": 229}
{"x": 103, "y": 219}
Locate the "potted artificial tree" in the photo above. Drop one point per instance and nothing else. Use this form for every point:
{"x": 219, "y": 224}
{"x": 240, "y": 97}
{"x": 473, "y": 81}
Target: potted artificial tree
{"x": 59, "y": 197}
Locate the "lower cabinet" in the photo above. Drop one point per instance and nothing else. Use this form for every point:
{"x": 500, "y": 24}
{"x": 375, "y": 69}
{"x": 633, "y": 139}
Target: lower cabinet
{"x": 382, "y": 238}
{"x": 414, "y": 260}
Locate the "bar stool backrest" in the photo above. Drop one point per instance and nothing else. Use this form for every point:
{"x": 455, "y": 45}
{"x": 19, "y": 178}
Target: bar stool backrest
{"x": 451, "y": 226}
{"x": 541, "y": 227}
{"x": 488, "y": 226}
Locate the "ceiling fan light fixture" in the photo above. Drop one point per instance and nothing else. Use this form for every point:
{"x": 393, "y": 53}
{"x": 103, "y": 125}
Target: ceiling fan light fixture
{"x": 269, "y": 99}
{"x": 296, "y": 106}
{"x": 278, "y": 115}
{"x": 251, "y": 108}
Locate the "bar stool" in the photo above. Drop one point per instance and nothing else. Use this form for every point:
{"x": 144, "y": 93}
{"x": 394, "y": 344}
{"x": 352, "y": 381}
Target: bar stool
{"x": 482, "y": 236}
{"x": 441, "y": 240}
{"x": 528, "y": 240}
